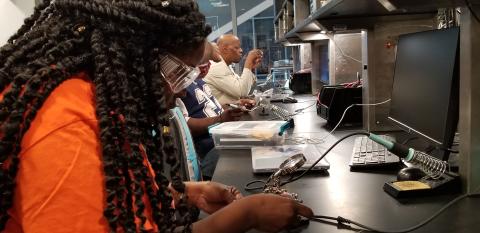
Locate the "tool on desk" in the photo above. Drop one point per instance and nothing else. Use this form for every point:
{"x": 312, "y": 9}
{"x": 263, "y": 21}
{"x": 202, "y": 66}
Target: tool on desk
{"x": 249, "y": 186}
{"x": 235, "y": 106}
{"x": 289, "y": 100}
{"x": 432, "y": 166}
{"x": 438, "y": 178}
{"x": 288, "y": 166}
{"x": 266, "y": 159}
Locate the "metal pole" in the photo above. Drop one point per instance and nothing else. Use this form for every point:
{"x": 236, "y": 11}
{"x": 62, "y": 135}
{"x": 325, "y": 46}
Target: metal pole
{"x": 234, "y": 16}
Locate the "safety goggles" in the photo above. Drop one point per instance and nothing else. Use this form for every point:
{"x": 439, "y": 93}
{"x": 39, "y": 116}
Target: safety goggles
{"x": 177, "y": 74}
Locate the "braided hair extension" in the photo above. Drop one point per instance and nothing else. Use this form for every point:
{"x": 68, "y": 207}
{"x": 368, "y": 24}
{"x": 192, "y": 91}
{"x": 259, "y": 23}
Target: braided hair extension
{"x": 117, "y": 43}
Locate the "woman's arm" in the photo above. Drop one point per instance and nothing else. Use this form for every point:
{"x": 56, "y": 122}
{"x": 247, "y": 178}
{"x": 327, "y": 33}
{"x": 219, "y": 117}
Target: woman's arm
{"x": 265, "y": 212}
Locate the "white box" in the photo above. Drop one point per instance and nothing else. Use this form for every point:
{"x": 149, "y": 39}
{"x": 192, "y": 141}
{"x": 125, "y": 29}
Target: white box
{"x": 245, "y": 134}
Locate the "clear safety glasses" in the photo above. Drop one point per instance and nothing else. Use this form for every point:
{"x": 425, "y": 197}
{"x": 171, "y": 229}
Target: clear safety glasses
{"x": 178, "y": 75}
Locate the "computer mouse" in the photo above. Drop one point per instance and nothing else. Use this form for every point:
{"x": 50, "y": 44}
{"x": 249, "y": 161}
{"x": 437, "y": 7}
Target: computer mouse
{"x": 410, "y": 173}
{"x": 289, "y": 100}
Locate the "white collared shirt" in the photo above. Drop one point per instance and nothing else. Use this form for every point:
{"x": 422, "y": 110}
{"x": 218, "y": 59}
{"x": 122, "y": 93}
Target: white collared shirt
{"x": 226, "y": 85}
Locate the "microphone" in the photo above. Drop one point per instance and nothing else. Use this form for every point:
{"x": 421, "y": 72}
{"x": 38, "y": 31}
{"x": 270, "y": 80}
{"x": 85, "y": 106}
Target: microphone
{"x": 432, "y": 166}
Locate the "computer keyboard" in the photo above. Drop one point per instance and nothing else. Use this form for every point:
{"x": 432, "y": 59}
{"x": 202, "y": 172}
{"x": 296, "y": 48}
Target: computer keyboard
{"x": 369, "y": 154}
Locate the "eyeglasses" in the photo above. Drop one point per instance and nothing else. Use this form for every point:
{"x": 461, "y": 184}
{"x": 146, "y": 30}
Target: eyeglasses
{"x": 177, "y": 74}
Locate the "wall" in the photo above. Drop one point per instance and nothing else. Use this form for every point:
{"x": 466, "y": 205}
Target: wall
{"x": 469, "y": 124}
{"x": 12, "y": 14}
{"x": 26, "y": 6}
{"x": 317, "y": 49}
{"x": 11, "y": 18}
{"x": 345, "y": 57}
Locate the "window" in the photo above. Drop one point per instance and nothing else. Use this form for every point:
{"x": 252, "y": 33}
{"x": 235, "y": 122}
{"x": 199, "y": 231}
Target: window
{"x": 254, "y": 28}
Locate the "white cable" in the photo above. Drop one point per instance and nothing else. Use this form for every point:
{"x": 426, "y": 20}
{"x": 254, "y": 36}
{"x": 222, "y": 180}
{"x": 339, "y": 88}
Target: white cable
{"x": 309, "y": 140}
{"x": 343, "y": 115}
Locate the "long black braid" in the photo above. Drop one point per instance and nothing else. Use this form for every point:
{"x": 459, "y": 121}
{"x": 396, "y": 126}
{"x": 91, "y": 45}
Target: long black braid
{"x": 117, "y": 44}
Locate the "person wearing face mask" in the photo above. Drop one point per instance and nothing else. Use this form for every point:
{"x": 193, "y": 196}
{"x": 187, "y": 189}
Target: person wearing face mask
{"x": 225, "y": 84}
{"x": 85, "y": 88}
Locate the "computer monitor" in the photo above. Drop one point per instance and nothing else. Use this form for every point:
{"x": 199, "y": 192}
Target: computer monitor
{"x": 425, "y": 86}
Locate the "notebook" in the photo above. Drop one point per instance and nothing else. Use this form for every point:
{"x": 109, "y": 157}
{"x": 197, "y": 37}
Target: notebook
{"x": 267, "y": 159}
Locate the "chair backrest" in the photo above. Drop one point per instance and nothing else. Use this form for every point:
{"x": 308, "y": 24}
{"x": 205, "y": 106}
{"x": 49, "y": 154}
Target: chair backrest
{"x": 190, "y": 165}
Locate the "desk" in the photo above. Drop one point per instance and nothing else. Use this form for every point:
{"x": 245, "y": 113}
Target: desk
{"x": 358, "y": 196}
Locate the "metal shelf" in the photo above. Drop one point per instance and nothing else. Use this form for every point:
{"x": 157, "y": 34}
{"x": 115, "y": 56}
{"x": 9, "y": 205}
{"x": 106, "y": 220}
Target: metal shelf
{"x": 362, "y": 14}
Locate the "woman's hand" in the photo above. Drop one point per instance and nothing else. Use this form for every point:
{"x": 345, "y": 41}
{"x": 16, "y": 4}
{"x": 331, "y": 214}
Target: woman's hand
{"x": 264, "y": 212}
{"x": 272, "y": 213}
{"x": 211, "y": 196}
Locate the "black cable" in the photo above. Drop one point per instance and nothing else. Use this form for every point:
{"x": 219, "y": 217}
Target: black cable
{"x": 469, "y": 5}
{"x": 248, "y": 188}
{"x": 450, "y": 150}
{"x": 342, "y": 220}
{"x": 323, "y": 155}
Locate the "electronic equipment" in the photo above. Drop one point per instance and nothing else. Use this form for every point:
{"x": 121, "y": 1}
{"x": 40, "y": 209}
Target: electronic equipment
{"x": 410, "y": 173}
{"x": 368, "y": 154}
{"x": 268, "y": 158}
{"x": 426, "y": 85}
{"x": 287, "y": 167}
{"x": 289, "y": 100}
{"x": 424, "y": 101}
{"x": 334, "y": 99}
{"x": 438, "y": 179}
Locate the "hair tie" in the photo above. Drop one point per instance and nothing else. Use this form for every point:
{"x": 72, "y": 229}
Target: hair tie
{"x": 80, "y": 28}
{"x": 164, "y": 3}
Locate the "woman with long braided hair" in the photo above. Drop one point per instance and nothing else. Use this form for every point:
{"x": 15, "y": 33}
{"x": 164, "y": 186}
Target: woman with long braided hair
{"x": 85, "y": 86}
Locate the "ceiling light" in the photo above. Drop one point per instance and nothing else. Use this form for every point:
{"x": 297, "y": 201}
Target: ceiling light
{"x": 387, "y": 4}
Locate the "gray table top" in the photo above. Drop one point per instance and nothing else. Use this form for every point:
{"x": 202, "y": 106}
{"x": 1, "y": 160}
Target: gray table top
{"x": 358, "y": 196}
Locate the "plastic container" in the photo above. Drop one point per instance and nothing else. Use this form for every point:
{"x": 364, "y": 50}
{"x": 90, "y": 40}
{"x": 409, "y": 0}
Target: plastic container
{"x": 245, "y": 134}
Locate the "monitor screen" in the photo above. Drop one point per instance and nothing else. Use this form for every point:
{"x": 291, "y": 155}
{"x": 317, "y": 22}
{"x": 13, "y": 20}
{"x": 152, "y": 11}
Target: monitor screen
{"x": 425, "y": 84}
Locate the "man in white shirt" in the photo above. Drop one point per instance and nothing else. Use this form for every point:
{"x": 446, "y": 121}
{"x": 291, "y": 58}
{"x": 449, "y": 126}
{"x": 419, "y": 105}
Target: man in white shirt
{"x": 225, "y": 84}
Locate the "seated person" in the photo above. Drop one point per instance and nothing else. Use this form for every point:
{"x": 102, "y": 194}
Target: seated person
{"x": 201, "y": 110}
{"x": 225, "y": 84}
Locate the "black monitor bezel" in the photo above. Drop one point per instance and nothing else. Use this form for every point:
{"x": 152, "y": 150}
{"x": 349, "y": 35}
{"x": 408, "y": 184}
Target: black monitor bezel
{"x": 453, "y": 106}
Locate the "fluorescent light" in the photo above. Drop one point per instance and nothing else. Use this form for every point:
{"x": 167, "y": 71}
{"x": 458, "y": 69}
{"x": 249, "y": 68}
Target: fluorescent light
{"x": 307, "y": 36}
{"x": 387, "y": 4}
{"x": 219, "y": 4}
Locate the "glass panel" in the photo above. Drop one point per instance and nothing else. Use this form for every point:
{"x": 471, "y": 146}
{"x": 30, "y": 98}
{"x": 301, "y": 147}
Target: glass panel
{"x": 217, "y": 13}
{"x": 255, "y": 29}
